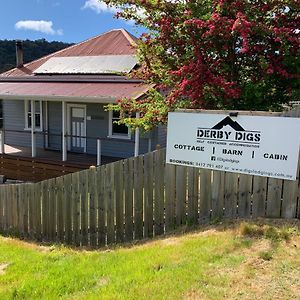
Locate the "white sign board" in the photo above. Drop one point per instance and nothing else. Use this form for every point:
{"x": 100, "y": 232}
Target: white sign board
{"x": 263, "y": 146}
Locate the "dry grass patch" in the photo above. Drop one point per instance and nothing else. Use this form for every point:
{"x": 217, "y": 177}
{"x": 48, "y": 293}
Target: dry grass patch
{"x": 195, "y": 295}
{"x": 271, "y": 269}
{"x": 26, "y": 244}
{"x": 3, "y": 267}
{"x": 103, "y": 281}
{"x": 170, "y": 241}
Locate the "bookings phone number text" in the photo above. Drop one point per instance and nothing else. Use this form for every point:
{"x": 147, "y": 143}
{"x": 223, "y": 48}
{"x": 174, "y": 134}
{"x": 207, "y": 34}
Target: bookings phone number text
{"x": 209, "y": 165}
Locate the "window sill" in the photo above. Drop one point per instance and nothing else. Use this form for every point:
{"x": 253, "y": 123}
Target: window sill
{"x": 36, "y": 130}
{"x": 119, "y": 137}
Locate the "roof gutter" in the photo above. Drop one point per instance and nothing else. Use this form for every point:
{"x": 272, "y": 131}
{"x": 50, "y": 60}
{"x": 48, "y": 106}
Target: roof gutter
{"x": 105, "y": 100}
{"x": 57, "y": 79}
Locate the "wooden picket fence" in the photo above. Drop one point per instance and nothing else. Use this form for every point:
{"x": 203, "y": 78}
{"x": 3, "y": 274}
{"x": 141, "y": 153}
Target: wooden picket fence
{"x": 138, "y": 198}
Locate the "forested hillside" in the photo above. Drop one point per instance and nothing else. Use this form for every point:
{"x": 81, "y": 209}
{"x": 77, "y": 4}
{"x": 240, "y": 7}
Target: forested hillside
{"x": 32, "y": 50}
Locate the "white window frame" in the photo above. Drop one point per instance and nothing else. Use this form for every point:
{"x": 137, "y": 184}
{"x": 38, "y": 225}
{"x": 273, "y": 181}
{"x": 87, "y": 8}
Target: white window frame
{"x": 1, "y": 116}
{"x": 110, "y": 129}
{"x": 27, "y": 105}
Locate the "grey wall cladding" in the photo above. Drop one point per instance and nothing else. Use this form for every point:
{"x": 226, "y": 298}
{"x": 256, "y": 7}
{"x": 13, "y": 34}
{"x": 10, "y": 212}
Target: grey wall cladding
{"x": 14, "y": 119}
{"x": 54, "y": 125}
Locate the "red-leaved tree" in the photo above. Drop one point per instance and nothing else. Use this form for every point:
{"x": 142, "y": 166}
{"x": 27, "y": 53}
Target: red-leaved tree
{"x": 214, "y": 54}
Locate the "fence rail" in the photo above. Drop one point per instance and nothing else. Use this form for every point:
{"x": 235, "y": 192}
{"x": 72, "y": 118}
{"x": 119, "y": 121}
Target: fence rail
{"x": 138, "y": 198}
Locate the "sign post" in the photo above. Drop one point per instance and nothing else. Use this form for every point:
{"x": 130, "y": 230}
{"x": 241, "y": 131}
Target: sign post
{"x": 256, "y": 145}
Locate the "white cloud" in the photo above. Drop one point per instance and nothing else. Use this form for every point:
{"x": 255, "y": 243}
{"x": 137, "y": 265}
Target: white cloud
{"x": 40, "y": 26}
{"x": 99, "y": 7}
{"x": 59, "y": 32}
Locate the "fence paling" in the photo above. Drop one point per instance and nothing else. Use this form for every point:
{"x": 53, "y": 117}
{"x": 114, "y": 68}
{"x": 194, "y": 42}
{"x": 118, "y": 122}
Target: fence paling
{"x": 289, "y": 205}
{"x": 26, "y": 208}
{"x": 14, "y": 206}
{"x": 101, "y": 206}
{"x": 180, "y": 194}
{"x": 217, "y": 194}
{"x": 68, "y": 208}
{"x": 6, "y": 212}
{"x": 20, "y": 209}
{"x": 138, "y": 198}
{"x": 259, "y": 196}
{"x": 230, "y": 195}
{"x": 205, "y": 196}
{"x": 170, "y": 181}
{"x": 119, "y": 177}
{"x": 84, "y": 208}
{"x": 159, "y": 194}
{"x": 274, "y": 198}
{"x": 9, "y": 204}
{"x": 148, "y": 195}
{"x": 60, "y": 216}
{"x": 76, "y": 208}
{"x": 92, "y": 208}
{"x": 192, "y": 195}
{"x": 3, "y": 208}
{"x": 52, "y": 209}
{"x": 244, "y": 197}
{"x": 45, "y": 209}
{"x": 128, "y": 183}
{"x": 109, "y": 199}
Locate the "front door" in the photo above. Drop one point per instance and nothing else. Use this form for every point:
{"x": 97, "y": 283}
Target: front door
{"x": 77, "y": 128}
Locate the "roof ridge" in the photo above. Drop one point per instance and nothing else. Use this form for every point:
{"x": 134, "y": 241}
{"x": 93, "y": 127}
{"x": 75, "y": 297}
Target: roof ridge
{"x": 128, "y": 36}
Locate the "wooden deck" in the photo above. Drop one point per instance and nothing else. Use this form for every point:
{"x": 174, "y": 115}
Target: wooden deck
{"x": 18, "y": 164}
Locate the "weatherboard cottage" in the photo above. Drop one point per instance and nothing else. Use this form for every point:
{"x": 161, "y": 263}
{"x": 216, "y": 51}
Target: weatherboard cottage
{"x": 58, "y": 103}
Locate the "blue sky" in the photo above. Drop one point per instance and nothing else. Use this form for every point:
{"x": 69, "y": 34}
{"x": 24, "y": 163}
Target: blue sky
{"x": 59, "y": 20}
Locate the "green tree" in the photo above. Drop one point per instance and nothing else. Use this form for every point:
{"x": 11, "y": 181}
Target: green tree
{"x": 32, "y": 50}
{"x": 214, "y": 54}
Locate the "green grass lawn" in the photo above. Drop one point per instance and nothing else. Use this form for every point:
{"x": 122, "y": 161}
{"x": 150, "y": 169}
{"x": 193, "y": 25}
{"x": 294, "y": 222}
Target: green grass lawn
{"x": 233, "y": 261}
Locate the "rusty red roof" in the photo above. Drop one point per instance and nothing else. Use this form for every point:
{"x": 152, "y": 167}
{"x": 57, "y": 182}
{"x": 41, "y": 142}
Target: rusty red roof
{"x": 100, "y": 92}
{"x": 114, "y": 42}
{"x": 21, "y": 83}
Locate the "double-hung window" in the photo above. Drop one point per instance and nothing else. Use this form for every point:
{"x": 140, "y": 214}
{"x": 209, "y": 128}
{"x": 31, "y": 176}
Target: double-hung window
{"x": 37, "y": 115}
{"x": 117, "y": 130}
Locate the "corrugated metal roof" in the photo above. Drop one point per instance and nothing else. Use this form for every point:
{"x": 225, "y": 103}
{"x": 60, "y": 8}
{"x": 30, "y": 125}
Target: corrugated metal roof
{"x": 94, "y": 92}
{"x": 115, "y": 42}
{"x": 102, "y": 64}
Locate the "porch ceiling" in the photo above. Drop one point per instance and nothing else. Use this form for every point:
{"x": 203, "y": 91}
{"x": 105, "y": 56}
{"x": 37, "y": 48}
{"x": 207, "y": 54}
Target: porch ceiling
{"x": 101, "y": 92}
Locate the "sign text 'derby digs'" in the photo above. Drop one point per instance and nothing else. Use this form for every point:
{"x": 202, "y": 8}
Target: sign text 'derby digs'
{"x": 256, "y": 145}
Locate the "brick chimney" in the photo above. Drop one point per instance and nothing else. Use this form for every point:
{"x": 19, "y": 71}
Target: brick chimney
{"x": 19, "y": 54}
